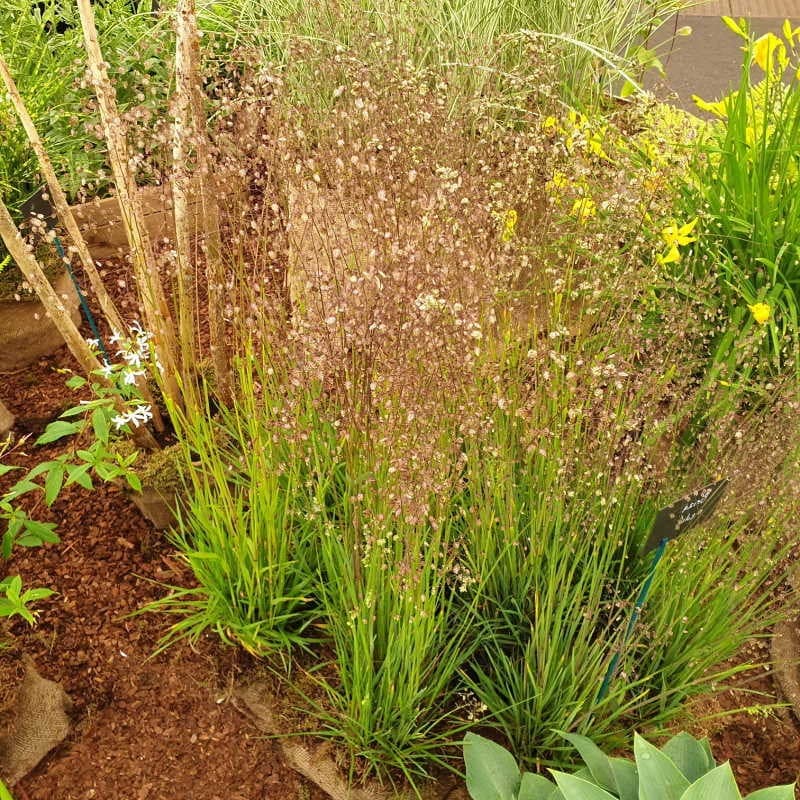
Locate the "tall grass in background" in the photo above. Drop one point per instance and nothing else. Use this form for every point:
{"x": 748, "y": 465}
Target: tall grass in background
{"x": 592, "y": 41}
{"x": 43, "y": 46}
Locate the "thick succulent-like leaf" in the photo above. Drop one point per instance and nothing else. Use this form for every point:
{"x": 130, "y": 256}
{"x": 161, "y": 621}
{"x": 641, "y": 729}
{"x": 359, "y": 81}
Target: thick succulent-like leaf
{"x": 692, "y": 757}
{"x": 659, "y": 778}
{"x": 785, "y": 792}
{"x": 574, "y": 788}
{"x": 626, "y": 778}
{"x": 595, "y": 759}
{"x": 719, "y": 784}
{"x": 492, "y": 772}
{"x": 536, "y": 787}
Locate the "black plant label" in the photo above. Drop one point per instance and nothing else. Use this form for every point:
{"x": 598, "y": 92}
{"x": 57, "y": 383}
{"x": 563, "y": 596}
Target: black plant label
{"x": 684, "y": 514}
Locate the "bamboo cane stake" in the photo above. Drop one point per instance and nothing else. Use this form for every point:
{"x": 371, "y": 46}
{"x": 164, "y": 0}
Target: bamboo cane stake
{"x": 60, "y": 202}
{"x": 190, "y": 104}
{"x": 156, "y": 311}
{"x": 67, "y": 218}
{"x": 57, "y": 311}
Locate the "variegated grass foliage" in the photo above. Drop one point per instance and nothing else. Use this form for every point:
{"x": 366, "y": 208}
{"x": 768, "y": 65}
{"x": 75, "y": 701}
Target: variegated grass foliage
{"x": 595, "y": 46}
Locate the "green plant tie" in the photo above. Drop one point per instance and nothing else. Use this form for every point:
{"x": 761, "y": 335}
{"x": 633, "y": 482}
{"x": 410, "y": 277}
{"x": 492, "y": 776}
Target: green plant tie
{"x": 637, "y": 609}
{"x": 81, "y": 298}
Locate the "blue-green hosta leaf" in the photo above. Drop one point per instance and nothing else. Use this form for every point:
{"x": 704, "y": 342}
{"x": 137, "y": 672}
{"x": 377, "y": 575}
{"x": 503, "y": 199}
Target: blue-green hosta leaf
{"x": 692, "y": 757}
{"x": 659, "y": 778}
{"x": 773, "y": 793}
{"x": 626, "y": 778}
{"x": 719, "y": 784}
{"x": 492, "y": 772}
{"x": 536, "y": 787}
{"x": 594, "y": 758}
{"x": 574, "y": 788}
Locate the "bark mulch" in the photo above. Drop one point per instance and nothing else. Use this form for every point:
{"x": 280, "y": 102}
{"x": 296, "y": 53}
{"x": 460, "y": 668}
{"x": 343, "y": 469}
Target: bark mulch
{"x": 159, "y": 728}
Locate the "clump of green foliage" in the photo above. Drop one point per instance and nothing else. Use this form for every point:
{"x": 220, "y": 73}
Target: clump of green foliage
{"x": 746, "y": 192}
{"x": 684, "y": 768}
{"x": 443, "y": 465}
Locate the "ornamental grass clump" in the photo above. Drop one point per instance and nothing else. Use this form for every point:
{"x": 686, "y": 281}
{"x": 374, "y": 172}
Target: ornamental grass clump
{"x": 461, "y": 407}
{"x": 464, "y": 43}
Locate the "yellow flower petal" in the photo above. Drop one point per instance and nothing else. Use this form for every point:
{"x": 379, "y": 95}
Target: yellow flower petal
{"x": 761, "y": 312}
{"x": 788, "y": 34}
{"x": 737, "y": 28}
{"x": 672, "y": 257}
{"x": 686, "y": 229}
{"x": 718, "y": 108}
{"x": 765, "y": 50}
{"x": 584, "y": 208}
{"x": 509, "y": 225}
{"x": 550, "y": 125}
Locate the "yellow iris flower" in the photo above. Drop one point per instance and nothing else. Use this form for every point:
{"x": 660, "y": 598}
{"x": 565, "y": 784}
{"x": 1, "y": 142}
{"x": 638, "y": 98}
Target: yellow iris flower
{"x": 676, "y": 237}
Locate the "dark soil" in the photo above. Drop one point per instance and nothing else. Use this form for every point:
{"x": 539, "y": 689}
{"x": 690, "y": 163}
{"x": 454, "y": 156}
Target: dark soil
{"x": 163, "y": 728}
{"x": 146, "y": 728}
{"x": 762, "y": 743}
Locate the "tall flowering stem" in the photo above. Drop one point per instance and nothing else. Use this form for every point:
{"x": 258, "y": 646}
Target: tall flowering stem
{"x": 154, "y": 303}
{"x": 182, "y": 135}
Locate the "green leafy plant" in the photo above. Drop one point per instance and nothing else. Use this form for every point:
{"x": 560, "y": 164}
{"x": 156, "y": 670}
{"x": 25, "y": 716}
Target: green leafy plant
{"x": 683, "y": 769}
{"x": 14, "y": 602}
{"x": 745, "y": 188}
{"x": 95, "y": 418}
{"x": 42, "y": 45}
{"x": 242, "y": 530}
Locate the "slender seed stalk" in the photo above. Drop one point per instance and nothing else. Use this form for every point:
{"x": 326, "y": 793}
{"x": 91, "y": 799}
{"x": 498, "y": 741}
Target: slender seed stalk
{"x": 182, "y": 136}
{"x": 155, "y": 308}
{"x": 190, "y": 117}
